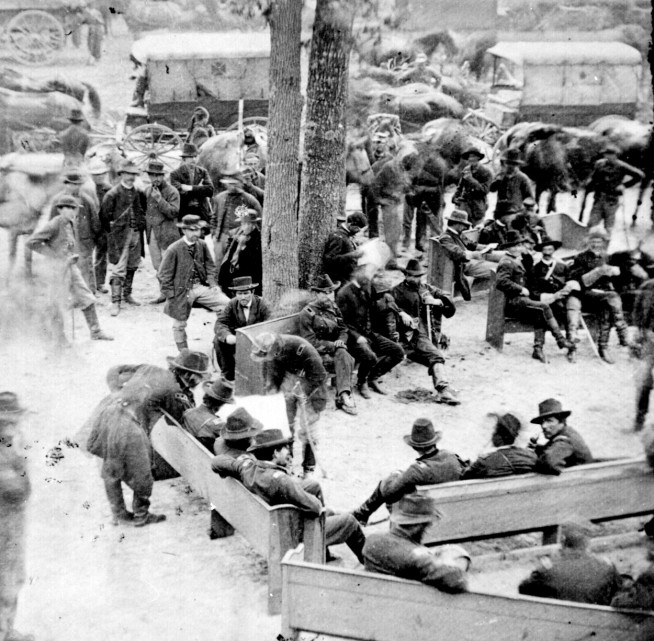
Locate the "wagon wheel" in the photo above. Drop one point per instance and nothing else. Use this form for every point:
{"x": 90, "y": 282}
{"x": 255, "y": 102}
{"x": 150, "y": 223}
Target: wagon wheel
{"x": 34, "y": 37}
{"x": 482, "y": 127}
{"x": 251, "y": 120}
{"x": 145, "y": 141}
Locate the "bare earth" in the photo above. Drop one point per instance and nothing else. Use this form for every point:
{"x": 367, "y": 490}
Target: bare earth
{"x": 90, "y": 580}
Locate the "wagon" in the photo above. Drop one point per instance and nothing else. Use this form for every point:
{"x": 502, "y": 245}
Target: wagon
{"x": 32, "y": 30}
{"x": 565, "y": 83}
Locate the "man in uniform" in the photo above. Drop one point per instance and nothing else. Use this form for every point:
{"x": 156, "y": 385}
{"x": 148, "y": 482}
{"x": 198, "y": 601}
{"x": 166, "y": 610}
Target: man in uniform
{"x": 432, "y": 466}
{"x": 472, "y": 191}
{"x": 123, "y": 213}
{"x": 268, "y": 477}
{"x": 99, "y": 174}
{"x": 340, "y": 254}
{"x": 121, "y": 424}
{"x": 497, "y": 230}
{"x": 565, "y": 447}
{"x": 246, "y": 308}
{"x": 321, "y": 323}
{"x": 644, "y": 321}
{"x": 511, "y": 184}
{"x": 187, "y": 278}
{"x": 75, "y": 140}
{"x": 236, "y": 434}
{"x": 193, "y": 184}
{"x": 201, "y": 421}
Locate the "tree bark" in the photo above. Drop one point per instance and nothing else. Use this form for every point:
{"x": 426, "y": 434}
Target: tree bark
{"x": 322, "y": 193}
{"x": 279, "y": 225}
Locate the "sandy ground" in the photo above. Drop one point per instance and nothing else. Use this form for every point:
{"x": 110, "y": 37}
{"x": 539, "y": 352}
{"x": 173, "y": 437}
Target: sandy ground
{"x": 90, "y": 580}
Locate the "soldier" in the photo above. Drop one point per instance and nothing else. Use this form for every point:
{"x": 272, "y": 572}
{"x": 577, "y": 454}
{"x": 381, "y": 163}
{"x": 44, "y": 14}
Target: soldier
{"x": 236, "y": 434}
{"x": 321, "y": 323}
{"x": 644, "y": 321}
{"x": 201, "y": 421}
{"x": 340, "y": 254}
{"x": 497, "y": 230}
{"x": 472, "y": 191}
{"x": 193, "y": 184}
{"x": 511, "y": 184}
{"x": 99, "y": 174}
{"x": 75, "y": 140}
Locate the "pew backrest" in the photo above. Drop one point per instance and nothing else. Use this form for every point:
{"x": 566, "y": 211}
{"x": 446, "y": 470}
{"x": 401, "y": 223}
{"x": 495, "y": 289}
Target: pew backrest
{"x": 563, "y": 227}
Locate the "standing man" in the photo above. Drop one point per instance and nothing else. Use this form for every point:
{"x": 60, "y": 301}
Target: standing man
{"x": 162, "y": 209}
{"x": 123, "y": 213}
{"x": 340, "y": 254}
{"x": 14, "y": 492}
{"x": 511, "y": 184}
{"x": 74, "y": 140}
{"x": 56, "y": 240}
{"x": 99, "y": 174}
{"x": 187, "y": 278}
{"x": 643, "y": 315}
{"x": 471, "y": 193}
{"x": 246, "y": 308}
{"x": 193, "y": 184}
{"x": 607, "y": 182}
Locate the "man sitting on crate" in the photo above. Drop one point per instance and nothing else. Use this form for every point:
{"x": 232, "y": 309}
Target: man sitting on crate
{"x": 268, "y": 477}
{"x": 321, "y": 323}
{"x": 400, "y": 553}
{"x": 512, "y": 281}
{"x": 246, "y": 308}
{"x": 432, "y": 466}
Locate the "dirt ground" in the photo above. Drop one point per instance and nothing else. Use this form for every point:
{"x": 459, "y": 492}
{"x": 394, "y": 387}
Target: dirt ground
{"x": 90, "y": 580}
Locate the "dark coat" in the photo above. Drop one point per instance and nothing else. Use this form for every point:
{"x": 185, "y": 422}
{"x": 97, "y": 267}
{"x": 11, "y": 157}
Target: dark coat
{"x": 161, "y": 215}
{"x": 88, "y": 222}
{"x": 608, "y": 175}
{"x": 232, "y": 317}
{"x": 355, "y": 304}
{"x": 175, "y": 275}
{"x": 473, "y": 187}
{"x": 203, "y": 424}
{"x": 456, "y": 247}
{"x": 321, "y": 324}
{"x": 504, "y": 461}
{"x": 511, "y": 277}
{"x": 585, "y": 262}
{"x": 243, "y": 258}
{"x": 566, "y": 449}
{"x": 409, "y": 298}
{"x": 121, "y": 209}
{"x": 494, "y": 232}
{"x": 543, "y": 279}
{"x": 195, "y": 201}
{"x": 75, "y": 141}
{"x": 338, "y": 259}
{"x": 514, "y": 188}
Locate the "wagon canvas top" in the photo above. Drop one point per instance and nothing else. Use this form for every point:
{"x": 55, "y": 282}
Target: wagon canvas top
{"x": 195, "y": 46}
{"x": 554, "y": 53}
{"x": 25, "y": 5}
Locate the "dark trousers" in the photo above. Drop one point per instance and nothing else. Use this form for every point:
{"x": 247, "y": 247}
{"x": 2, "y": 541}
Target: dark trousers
{"x": 142, "y": 489}
{"x": 342, "y": 364}
{"x": 535, "y": 312}
{"x": 422, "y": 351}
{"x": 100, "y": 261}
{"x": 225, "y": 354}
{"x": 376, "y": 357}
{"x": 644, "y": 384}
{"x": 370, "y": 208}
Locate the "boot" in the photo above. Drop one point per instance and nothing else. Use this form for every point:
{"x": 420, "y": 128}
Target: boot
{"x": 363, "y": 390}
{"x": 116, "y": 295}
{"x": 345, "y": 402}
{"x": 539, "y": 341}
{"x": 369, "y": 506}
{"x": 127, "y": 288}
{"x": 355, "y": 542}
{"x": 572, "y": 354}
{"x": 605, "y": 355}
{"x": 374, "y": 385}
{"x": 125, "y": 516}
{"x": 147, "y": 518}
{"x": 623, "y": 334}
{"x": 181, "y": 345}
{"x": 91, "y": 315}
{"x": 444, "y": 393}
{"x": 603, "y": 339}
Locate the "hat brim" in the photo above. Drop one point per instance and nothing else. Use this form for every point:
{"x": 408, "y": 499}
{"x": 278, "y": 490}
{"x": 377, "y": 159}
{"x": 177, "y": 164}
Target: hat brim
{"x": 206, "y": 386}
{"x": 172, "y": 360}
{"x": 265, "y": 446}
{"x": 412, "y": 272}
{"x": 512, "y": 161}
{"x": 69, "y": 205}
{"x": 154, "y": 173}
{"x": 198, "y": 225}
{"x": 555, "y": 243}
{"x": 432, "y": 441}
{"x": 467, "y": 154}
{"x": 135, "y": 172}
{"x": 231, "y": 181}
{"x": 519, "y": 241}
{"x": 243, "y": 288}
{"x": 76, "y": 119}
{"x": 539, "y": 419}
{"x": 326, "y": 290}
{"x": 232, "y": 436}
{"x": 467, "y": 223}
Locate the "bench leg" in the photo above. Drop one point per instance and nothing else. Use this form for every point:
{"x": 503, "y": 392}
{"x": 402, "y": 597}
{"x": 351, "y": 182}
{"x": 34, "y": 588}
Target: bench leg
{"x": 551, "y": 535}
{"x": 219, "y": 528}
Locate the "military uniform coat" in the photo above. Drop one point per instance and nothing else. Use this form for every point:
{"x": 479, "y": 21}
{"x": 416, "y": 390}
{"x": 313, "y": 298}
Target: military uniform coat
{"x": 161, "y": 215}
{"x": 515, "y": 189}
{"x": 203, "y": 424}
{"x": 494, "y": 232}
{"x": 355, "y": 303}
{"x": 122, "y": 209}
{"x": 547, "y": 278}
{"x": 321, "y": 324}
{"x": 194, "y": 201}
{"x": 511, "y": 277}
{"x": 566, "y": 449}
{"x": 409, "y": 298}
{"x": 504, "y": 461}
{"x": 335, "y": 259}
{"x": 472, "y": 191}
{"x": 232, "y": 317}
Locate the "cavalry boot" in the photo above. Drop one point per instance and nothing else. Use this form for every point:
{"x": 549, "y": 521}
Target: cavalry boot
{"x": 116, "y": 295}
{"x": 355, "y": 542}
{"x": 623, "y": 334}
{"x": 91, "y": 315}
{"x": 539, "y": 341}
{"x": 369, "y": 506}
{"x": 603, "y": 339}
{"x": 127, "y": 288}
{"x": 444, "y": 393}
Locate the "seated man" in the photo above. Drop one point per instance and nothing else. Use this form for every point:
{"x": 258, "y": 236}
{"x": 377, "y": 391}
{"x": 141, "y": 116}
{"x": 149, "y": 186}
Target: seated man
{"x": 565, "y": 447}
{"x": 416, "y": 300}
{"x": 507, "y": 458}
{"x": 399, "y": 552}
{"x": 528, "y": 222}
{"x": 432, "y": 466}
{"x": 637, "y": 594}
{"x": 634, "y": 268}
{"x": 512, "y": 281}
{"x": 201, "y": 421}
{"x": 573, "y": 574}
{"x": 268, "y": 477}
{"x": 236, "y": 434}
{"x": 467, "y": 258}
{"x": 321, "y": 323}
{"x": 245, "y": 309}
{"x": 340, "y": 253}
{"x": 496, "y": 231}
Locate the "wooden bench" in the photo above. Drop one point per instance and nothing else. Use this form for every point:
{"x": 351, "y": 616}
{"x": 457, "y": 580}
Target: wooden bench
{"x": 356, "y": 604}
{"x": 489, "y": 508}
{"x": 440, "y": 268}
{"x": 271, "y": 531}
{"x": 563, "y": 227}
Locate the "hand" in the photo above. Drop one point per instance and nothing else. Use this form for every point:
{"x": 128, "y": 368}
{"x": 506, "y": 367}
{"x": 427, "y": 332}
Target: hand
{"x": 185, "y": 188}
{"x": 231, "y": 339}
{"x": 524, "y": 292}
{"x": 72, "y": 260}
{"x": 339, "y": 345}
{"x": 614, "y": 270}
{"x": 430, "y": 300}
{"x": 406, "y": 319}
{"x": 362, "y": 340}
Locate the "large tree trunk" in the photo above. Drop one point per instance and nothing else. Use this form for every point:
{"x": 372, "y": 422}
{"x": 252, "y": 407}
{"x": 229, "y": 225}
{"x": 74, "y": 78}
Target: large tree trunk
{"x": 322, "y": 193}
{"x": 279, "y": 228}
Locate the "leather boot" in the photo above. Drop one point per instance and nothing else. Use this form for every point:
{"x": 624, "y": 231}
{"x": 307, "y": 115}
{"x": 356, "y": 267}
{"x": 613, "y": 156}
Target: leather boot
{"x": 369, "y": 506}
{"x": 116, "y": 295}
{"x": 623, "y": 334}
{"x": 91, "y": 315}
{"x": 444, "y": 393}
{"x": 539, "y": 341}
{"x": 127, "y": 288}
{"x": 603, "y": 339}
{"x": 355, "y": 542}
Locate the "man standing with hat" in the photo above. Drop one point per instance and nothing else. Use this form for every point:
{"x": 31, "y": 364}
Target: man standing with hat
{"x": 201, "y": 421}
{"x": 14, "y": 492}
{"x": 268, "y": 477}
{"x": 607, "y": 182}
{"x": 57, "y": 240}
{"x": 564, "y": 447}
{"x": 416, "y": 300}
{"x": 340, "y": 254}
{"x": 187, "y": 278}
{"x": 99, "y": 174}
{"x": 512, "y": 281}
{"x": 431, "y": 467}
{"x": 236, "y": 434}
{"x": 75, "y": 140}
{"x": 399, "y": 552}
{"x": 123, "y": 213}
{"x": 224, "y": 220}
{"x": 162, "y": 209}
{"x": 472, "y": 191}
{"x": 321, "y": 323}
{"x": 246, "y": 308}
{"x": 511, "y": 184}
{"x": 193, "y": 184}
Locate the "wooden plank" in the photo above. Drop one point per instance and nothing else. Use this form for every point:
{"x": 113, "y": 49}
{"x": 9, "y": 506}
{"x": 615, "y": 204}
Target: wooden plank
{"x": 597, "y": 492}
{"x": 360, "y": 605}
{"x": 563, "y": 227}
{"x": 441, "y": 267}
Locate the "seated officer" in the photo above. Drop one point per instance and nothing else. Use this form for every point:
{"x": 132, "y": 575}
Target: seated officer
{"x": 237, "y": 433}
{"x": 321, "y": 323}
{"x": 201, "y": 421}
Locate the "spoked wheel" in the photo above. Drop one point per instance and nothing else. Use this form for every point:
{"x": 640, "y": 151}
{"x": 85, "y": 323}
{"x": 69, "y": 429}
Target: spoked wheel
{"x": 34, "y": 37}
{"x": 262, "y": 121}
{"x": 482, "y": 127}
{"x": 146, "y": 141}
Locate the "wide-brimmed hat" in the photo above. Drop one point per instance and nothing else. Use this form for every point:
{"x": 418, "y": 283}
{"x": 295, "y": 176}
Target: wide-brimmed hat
{"x": 357, "y": 219}
{"x": 324, "y": 283}
{"x": 155, "y": 167}
{"x": 195, "y": 362}
{"x": 513, "y": 238}
{"x": 240, "y": 424}
{"x": 414, "y": 268}
{"x": 219, "y": 390}
{"x": 508, "y": 427}
{"x": 550, "y": 408}
{"x": 73, "y": 178}
{"x": 76, "y": 115}
{"x": 128, "y": 167}
{"x": 473, "y": 151}
{"x": 459, "y": 216}
{"x": 97, "y": 167}
{"x": 264, "y": 346}
{"x": 189, "y": 149}
{"x": 512, "y": 157}
{"x": 546, "y": 240}
{"x": 422, "y": 434}
{"x": 413, "y": 509}
{"x": 243, "y": 283}
{"x": 505, "y": 208}
{"x": 191, "y": 221}
{"x": 67, "y": 201}
{"x": 10, "y": 408}
{"x": 269, "y": 438}
{"x": 246, "y": 215}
